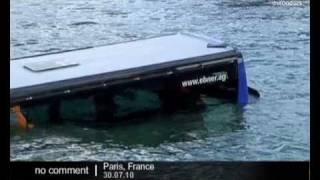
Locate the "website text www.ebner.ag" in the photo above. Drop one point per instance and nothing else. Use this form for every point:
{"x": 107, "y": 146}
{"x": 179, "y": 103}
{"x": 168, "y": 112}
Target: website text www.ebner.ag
{"x": 215, "y": 77}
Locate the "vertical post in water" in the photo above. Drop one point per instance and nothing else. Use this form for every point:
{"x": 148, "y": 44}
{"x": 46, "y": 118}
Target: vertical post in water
{"x": 104, "y": 107}
{"x": 242, "y": 84}
{"x": 54, "y": 111}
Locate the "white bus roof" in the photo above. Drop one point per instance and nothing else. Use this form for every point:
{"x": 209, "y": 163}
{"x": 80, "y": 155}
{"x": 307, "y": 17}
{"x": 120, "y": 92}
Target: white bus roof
{"x": 109, "y": 58}
{"x": 85, "y": 69}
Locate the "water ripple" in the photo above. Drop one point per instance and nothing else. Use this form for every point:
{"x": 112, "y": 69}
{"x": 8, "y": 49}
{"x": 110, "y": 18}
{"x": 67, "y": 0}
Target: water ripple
{"x": 275, "y": 44}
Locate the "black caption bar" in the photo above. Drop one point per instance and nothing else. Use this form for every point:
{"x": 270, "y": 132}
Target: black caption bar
{"x": 159, "y": 170}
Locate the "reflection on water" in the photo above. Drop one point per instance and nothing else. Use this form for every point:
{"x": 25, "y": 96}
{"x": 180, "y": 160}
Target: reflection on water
{"x": 184, "y": 126}
{"x": 146, "y": 129}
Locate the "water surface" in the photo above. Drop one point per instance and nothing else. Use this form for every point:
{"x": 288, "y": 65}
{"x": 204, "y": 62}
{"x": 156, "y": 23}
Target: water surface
{"x": 275, "y": 44}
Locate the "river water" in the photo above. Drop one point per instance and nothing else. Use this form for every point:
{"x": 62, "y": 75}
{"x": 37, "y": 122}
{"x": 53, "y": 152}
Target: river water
{"x": 274, "y": 40}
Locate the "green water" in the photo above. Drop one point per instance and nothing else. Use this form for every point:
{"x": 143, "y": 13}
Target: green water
{"x": 275, "y": 43}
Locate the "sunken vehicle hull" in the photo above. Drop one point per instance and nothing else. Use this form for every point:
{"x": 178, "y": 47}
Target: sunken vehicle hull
{"x": 176, "y": 67}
